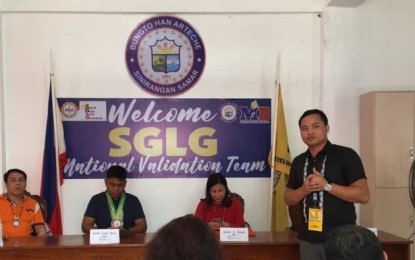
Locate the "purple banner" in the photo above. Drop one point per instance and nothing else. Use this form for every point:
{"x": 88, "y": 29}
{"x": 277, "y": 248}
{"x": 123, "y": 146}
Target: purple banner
{"x": 167, "y": 138}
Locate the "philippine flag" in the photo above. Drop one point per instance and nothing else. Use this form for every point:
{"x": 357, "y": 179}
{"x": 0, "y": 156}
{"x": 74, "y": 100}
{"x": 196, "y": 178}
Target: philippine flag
{"x": 50, "y": 186}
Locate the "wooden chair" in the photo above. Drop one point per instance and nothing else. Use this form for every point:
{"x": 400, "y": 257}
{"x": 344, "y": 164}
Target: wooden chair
{"x": 43, "y": 208}
{"x": 42, "y": 204}
{"x": 295, "y": 212}
{"x": 234, "y": 195}
{"x": 297, "y": 216}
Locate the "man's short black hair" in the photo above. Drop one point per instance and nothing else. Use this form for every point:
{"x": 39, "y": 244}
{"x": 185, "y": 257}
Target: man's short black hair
{"x": 351, "y": 242}
{"x": 117, "y": 171}
{"x": 6, "y": 175}
{"x": 314, "y": 111}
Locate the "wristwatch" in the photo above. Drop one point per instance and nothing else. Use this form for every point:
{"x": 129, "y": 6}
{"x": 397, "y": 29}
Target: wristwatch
{"x": 327, "y": 187}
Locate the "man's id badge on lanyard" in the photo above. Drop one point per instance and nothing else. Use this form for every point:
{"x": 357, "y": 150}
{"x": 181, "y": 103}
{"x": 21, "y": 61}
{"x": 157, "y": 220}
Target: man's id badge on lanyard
{"x": 315, "y": 219}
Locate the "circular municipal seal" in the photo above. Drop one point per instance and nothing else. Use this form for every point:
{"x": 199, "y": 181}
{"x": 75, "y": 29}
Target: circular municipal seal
{"x": 165, "y": 55}
{"x": 229, "y": 112}
{"x": 69, "y": 110}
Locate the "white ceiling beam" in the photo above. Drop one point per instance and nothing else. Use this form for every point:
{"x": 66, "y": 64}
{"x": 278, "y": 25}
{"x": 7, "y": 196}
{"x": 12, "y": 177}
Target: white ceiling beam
{"x": 344, "y": 3}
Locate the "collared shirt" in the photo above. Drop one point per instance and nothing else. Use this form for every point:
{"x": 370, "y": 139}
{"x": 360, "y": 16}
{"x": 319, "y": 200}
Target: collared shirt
{"x": 343, "y": 167}
{"x": 27, "y": 212}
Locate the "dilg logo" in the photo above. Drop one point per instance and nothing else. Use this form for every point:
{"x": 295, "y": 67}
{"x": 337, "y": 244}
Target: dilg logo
{"x": 69, "y": 110}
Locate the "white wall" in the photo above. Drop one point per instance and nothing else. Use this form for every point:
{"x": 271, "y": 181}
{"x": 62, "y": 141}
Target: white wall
{"x": 2, "y": 153}
{"x": 163, "y": 6}
{"x": 88, "y": 56}
{"x": 365, "y": 49}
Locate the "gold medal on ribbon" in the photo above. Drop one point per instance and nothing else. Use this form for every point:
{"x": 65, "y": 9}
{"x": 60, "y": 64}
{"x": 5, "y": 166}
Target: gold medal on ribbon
{"x": 116, "y": 214}
{"x": 116, "y": 223}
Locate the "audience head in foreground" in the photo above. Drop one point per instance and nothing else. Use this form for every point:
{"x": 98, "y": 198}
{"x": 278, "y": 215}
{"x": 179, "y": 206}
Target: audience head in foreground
{"x": 351, "y": 242}
{"x": 184, "y": 238}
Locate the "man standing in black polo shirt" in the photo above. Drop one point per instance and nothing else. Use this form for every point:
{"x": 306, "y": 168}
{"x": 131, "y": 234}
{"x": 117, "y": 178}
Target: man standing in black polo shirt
{"x": 326, "y": 180}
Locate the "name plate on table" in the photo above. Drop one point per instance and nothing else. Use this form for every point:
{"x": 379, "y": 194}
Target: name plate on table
{"x": 104, "y": 236}
{"x": 234, "y": 234}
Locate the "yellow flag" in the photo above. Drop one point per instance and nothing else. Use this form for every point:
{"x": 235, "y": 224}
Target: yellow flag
{"x": 280, "y": 165}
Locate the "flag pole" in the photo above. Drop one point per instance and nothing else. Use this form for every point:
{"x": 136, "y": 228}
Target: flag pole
{"x": 280, "y": 164}
{"x": 50, "y": 171}
{"x": 274, "y": 173}
{"x": 55, "y": 124}
{"x": 274, "y": 145}
{"x": 274, "y": 132}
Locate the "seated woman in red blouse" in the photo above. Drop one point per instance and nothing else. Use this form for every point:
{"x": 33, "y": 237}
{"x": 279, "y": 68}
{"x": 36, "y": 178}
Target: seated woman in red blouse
{"x": 218, "y": 209}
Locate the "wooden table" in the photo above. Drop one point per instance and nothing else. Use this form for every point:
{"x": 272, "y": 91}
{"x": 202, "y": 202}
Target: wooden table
{"x": 265, "y": 245}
